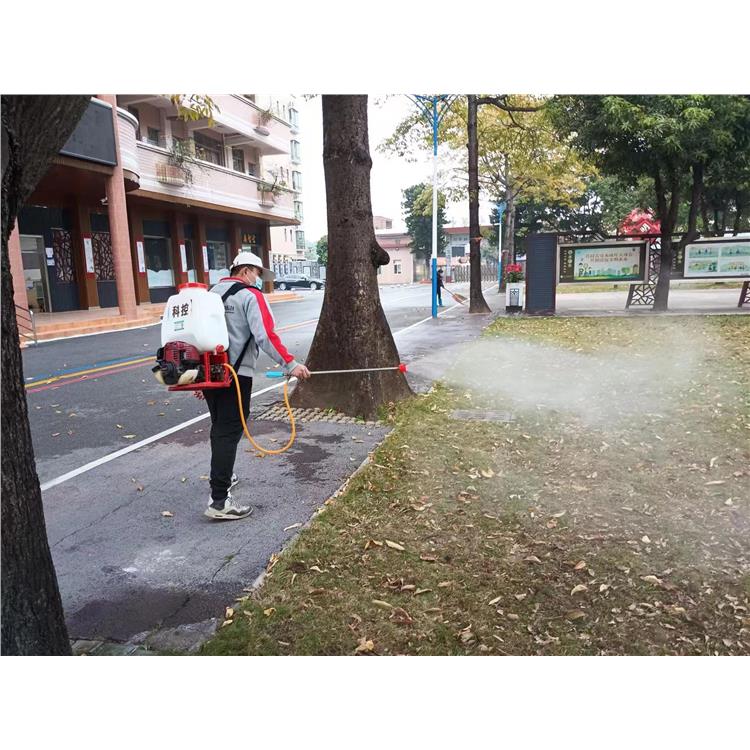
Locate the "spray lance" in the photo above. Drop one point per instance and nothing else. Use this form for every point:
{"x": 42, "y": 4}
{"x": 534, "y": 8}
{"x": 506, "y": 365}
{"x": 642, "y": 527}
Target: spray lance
{"x": 401, "y": 367}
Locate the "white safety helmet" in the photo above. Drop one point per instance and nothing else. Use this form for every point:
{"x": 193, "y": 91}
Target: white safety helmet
{"x": 246, "y": 258}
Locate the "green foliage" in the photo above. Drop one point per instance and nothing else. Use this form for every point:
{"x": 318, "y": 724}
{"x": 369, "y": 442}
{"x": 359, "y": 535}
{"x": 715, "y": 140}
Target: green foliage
{"x": 417, "y": 206}
{"x": 663, "y": 137}
{"x": 321, "y": 248}
{"x": 194, "y": 107}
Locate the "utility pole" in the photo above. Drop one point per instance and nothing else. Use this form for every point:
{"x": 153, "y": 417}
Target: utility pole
{"x": 500, "y": 211}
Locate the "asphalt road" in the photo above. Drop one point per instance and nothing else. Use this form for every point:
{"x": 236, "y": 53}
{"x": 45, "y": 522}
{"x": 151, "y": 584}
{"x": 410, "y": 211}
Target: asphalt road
{"x": 105, "y": 397}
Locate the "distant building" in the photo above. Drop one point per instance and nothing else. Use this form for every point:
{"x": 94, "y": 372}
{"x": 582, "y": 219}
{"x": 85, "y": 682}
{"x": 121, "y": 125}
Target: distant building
{"x": 381, "y": 222}
{"x": 400, "y": 270}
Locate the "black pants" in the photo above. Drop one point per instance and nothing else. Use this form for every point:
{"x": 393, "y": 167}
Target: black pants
{"x": 439, "y": 295}
{"x": 226, "y": 432}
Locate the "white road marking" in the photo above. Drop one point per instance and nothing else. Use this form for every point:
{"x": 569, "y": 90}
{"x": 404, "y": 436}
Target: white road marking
{"x": 147, "y": 441}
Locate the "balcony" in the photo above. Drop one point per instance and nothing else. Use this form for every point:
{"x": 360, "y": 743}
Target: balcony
{"x": 127, "y": 127}
{"x": 209, "y": 185}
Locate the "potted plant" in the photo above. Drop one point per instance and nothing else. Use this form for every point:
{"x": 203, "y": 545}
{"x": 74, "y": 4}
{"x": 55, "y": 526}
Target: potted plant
{"x": 514, "y": 288}
{"x": 264, "y": 117}
{"x": 270, "y": 189}
{"x": 177, "y": 170}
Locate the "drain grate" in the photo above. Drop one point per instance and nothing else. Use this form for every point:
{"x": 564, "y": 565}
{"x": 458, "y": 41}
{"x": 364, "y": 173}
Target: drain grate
{"x": 277, "y": 413}
{"x": 474, "y": 415}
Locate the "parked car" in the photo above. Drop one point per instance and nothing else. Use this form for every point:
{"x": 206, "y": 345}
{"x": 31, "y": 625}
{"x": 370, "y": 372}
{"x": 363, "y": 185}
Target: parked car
{"x": 296, "y": 281}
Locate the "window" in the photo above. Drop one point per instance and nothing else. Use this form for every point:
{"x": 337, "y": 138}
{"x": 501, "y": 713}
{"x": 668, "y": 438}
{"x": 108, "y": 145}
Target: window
{"x": 208, "y": 149}
{"x": 293, "y": 117}
{"x": 252, "y": 169}
{"x": 300, "y": 240}
{"x": 154, "y": 136}
{"x": 298, "y": 210}
{"x": 158, "y": 262}
{"x": 297, "y": 180}
{"x": 396, "y": 266}
{"x": 218, "y": 260}
{"x": 295, "y": 151}
{"x": 238, "y": 159}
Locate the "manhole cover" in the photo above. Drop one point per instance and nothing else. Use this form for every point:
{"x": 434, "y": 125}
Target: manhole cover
{"x": 278, "y": 413}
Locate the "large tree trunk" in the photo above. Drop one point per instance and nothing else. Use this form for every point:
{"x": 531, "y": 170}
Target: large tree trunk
{"x": 34, "y": 128}
{"x": 477, "y": 303}
{"x": 352, "y": 330}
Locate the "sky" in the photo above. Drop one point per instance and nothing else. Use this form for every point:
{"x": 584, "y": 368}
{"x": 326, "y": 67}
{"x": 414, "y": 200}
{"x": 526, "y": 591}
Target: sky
{"x": 389, "y": 177}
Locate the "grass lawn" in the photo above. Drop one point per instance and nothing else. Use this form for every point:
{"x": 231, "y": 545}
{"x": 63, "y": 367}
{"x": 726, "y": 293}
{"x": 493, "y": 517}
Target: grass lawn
{"x": 611, "y": 515}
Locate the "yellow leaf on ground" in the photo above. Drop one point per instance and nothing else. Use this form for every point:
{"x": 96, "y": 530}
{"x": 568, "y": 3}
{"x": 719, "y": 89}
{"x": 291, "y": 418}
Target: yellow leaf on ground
{"x": 269, "y": 612}
{"x": 381, "y": 603}
{"x": 394, "y": 545}
{"x": 364, "y": 647}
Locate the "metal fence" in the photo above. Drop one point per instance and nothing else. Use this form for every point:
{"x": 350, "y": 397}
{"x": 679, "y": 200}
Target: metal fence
{"x": 461, "y": 273}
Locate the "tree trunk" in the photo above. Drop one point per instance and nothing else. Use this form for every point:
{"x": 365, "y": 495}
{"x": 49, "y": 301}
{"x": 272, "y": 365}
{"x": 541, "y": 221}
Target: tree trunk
{"x": 738, "y": 214}
{"x": 477, "y": 303}
{"x": 668, "y": 216}
{"x": 352, "y": 330}
{"x": 34, "y": 129}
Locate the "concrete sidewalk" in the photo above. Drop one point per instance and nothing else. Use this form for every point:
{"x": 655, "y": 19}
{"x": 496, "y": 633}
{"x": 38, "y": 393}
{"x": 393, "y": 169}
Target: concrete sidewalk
{"x": 133, "y": 578}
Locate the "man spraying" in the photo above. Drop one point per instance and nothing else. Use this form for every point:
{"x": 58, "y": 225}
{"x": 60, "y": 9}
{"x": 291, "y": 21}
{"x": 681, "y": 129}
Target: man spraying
{"x": 251, "y": 327}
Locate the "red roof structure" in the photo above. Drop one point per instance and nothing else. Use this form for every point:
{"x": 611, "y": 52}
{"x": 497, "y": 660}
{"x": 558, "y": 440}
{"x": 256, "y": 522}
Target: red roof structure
{"x": 640, "y": 222}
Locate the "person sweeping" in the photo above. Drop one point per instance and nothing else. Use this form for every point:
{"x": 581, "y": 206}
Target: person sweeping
{"x": 251, "y": 328}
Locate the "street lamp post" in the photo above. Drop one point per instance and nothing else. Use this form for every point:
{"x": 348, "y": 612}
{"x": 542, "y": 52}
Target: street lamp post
{"x": 500, "y": 211}
{"x": 433, "y": 108}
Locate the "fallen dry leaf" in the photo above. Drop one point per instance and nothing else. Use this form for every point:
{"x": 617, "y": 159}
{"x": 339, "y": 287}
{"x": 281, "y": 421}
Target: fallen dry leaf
{"x": 228, "y": 613}
{"x": 382, "y": 604}
{"x": 578, "y": 589}
{"x": 428, "y": 558}
{"x": 532, "y": 558}
{"x": 575, "y": 614}
{"x": 394, "y": 545}
{"x": 293, "y": 526}
{"x": 269, "y": 612}
{"x": 401, "y": 617}
{"x": 488, "y": 473}
{"x": 167, "y": 514}
{"x": 364, "y": 647}
{"x": 580, "y": 565}
{"x": 495, "y": 600}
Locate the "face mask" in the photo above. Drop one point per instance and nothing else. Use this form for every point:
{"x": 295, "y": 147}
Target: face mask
{"x": 259, "y": 283}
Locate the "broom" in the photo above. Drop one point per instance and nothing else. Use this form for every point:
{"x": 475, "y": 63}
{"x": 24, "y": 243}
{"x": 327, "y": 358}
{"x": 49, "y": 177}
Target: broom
{"x": 458, "y": 297}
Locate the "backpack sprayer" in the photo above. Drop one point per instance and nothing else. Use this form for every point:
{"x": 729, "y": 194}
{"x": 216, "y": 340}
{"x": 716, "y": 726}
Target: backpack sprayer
{"x": 194, "y": 351}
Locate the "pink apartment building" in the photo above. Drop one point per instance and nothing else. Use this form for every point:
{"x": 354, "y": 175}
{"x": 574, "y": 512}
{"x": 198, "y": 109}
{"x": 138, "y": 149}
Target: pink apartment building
{"x": 117, "y": 222}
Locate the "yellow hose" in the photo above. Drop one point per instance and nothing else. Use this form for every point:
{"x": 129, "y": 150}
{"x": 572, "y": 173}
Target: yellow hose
{"x": 244, "y": 424}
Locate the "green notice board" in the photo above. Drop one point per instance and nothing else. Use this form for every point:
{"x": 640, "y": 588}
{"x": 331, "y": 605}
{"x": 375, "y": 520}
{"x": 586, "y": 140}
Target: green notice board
{"x": 602, "y": 262}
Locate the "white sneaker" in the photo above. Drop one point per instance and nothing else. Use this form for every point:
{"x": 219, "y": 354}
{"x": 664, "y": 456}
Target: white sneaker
{"x": 235, "y": 480}
{"x": 227, "y": 510}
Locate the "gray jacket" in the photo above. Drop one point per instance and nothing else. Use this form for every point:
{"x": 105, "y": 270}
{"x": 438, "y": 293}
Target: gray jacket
{"x": 247, "y": 313}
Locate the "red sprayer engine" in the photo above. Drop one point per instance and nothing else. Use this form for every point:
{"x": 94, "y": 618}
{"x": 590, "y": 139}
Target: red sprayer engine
{"x": 194, "y": 341}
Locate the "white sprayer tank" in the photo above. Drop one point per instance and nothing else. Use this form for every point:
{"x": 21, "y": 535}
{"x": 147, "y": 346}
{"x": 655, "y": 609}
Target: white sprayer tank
{"x": 196, "y": 316}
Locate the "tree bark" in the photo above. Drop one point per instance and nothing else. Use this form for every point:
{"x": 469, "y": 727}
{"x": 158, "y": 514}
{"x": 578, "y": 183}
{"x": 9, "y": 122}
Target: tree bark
{"x": 352, "y": 330}
{"x": 667, "y": 214}
{"x": 477, "y": 303}
{"x": 34, "y": 128}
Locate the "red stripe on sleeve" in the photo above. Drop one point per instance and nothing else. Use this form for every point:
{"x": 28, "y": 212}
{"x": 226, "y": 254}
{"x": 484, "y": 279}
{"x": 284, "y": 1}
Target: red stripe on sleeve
{"x": 265, "y": 315}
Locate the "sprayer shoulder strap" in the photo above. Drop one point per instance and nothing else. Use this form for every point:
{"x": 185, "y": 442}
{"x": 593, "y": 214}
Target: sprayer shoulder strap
{"x": 236, "y": 287}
